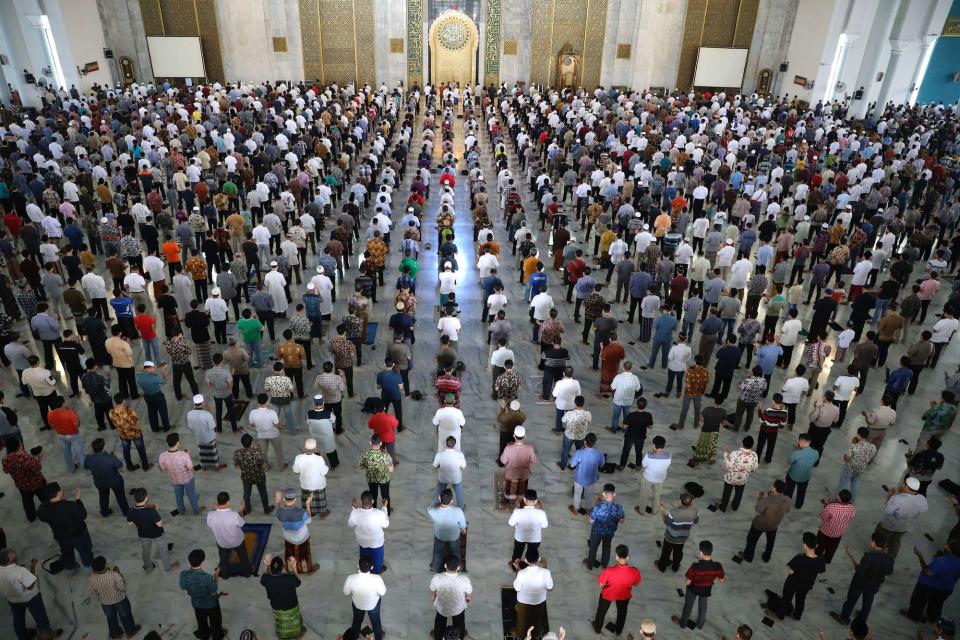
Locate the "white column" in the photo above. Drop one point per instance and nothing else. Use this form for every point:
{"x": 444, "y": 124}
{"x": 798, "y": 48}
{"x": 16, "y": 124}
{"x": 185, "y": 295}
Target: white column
{"x": 928, "y": 42}
{"x": 896, "y": 51}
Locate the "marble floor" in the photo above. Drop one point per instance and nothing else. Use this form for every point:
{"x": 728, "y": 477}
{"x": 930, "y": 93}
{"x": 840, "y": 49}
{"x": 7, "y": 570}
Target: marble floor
{"x": 407, "y": 611}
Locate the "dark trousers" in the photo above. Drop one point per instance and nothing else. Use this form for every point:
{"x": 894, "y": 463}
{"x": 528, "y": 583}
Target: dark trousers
{"x": 119, "y": 614}
{"x": 306, "y": 344}
{"x": 37, "y": 611}
{"x": 373, "y": 614}
{"x": 209, "y": 623}
{"x": 688, "y": 601}
{"x": 753, "y": 536}
{"x": 181, "y": 371}
{"x": 458, "y": 622}
{"x": 348, "y": 376}
{"x": 157, "y": 412}
{"x": 927, "y": 600}
{"x": 82, "y": 545}
{"x": 532, "y": 615}
{"x": 736, "y": 490}
{"x": 245, "y": 379}
{"x": 248, "y": 489}
{"x": 296, "y": 374}
{"x": 721, "y": 386}
{"x": 670, "y": 553}
{"x": 637, "y": 445}
{"x": 603, "y": 606}
{"x": 854, "y": 592}
{"x": 104, "y": 494}
{"x": 48, "y": 349}
{"x": 101, "y": 413}
{"x": 29, "y": 504}
{"x": 745, "y": 411}
{"x": 518, "y": 549}
{"x": 267, "y": 317}
{"x": 127, "y": 445}
{"x": 602, "y": 542}
{"x": 766, "y": 439}
{"x": 220, "y": 331}
{"x": 791, "y": 602}
{"x": 127, "y": 382}
{"x": 225, "y": 561}
{"x": 382, "y": 487}
{"x": 397, "y": 404}
{"x": 44, "y": 403}
{"x": 219, "y": 403}
{"x": 801, "y": 490}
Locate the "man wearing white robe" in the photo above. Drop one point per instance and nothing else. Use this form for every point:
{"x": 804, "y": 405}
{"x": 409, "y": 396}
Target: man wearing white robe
{"x": 275, "y": 284}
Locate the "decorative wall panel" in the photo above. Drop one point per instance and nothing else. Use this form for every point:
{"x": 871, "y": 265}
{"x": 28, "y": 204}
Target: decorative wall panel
{"x": 575, "y": 27}
{"x": 396, "y": 45}
{"x": 279, "y": 44}
{"x": 509, "y": 47}
{"x": 338, "y": 38}
{"x": 187, "y": 18}
{"x": 713, "y": 23}
{"x": 414, "y": 42}
{"x": 623, "y": 51}
{"x": 491, "y": 45}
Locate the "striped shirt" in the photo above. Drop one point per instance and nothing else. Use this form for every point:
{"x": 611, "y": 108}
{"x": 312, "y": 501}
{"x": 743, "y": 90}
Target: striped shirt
{"x": 836, "y": 518}
{"x": 772, "y": 419}
{"x": 702, "y": 575}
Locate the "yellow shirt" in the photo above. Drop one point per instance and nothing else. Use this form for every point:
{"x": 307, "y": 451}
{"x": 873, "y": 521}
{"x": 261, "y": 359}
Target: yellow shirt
{"x": 529, "y": 267}
{"x": 606, "y": 239}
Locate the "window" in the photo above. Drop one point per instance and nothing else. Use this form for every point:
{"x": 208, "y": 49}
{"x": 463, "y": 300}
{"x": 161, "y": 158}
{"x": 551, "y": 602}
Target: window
{"x": 469, "y": 7}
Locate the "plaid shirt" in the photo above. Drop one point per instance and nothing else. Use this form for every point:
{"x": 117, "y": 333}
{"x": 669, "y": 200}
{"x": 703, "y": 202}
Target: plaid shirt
{"x": 331, "y": 386}
{"x": 108, "y": 587}
{"x": 835, "y": 518}
{"x": 127, "y": 422}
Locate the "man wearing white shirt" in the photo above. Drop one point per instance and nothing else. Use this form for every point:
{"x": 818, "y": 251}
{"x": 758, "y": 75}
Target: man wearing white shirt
{"x": 265, "y": 420}
{"x": 365, "y": 590}
{"x": 487, "y": 262}
{"x": 541, "y": 304}
{"x": 498, "y": 361}
{"x": 789, "y": 336}
{"x": 793, "y": 390}
{"x": 843, "y": 388}
{"x": 227, "y": 527}
{"x": 449, "y": 325}
{"x": 678, "y": 358}
{"x": 626, "y": 387}
{"x": 564, "y": 392}
{"x": 858, "y": 280}
{"x": 312, "y": 469}
{"x": 943, "y": 331}
{"x": 449, "y": 421}
{"x": 450, "y": 463}
{"x": 368, "y": 523}
{"x": 655, "y": 464}
{"x": 528, "y": 523}
{"x": 96, "y": 289}
{"x": 153, "y": 266}
{"x": 532, "y": 584}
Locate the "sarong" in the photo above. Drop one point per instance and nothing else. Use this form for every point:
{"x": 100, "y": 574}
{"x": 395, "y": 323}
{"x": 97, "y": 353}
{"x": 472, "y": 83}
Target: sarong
{"x": 646, "y": 328}
{"x": 319, "y": 502}
{"x": 288, "y": 623}
{"x": 209, "y": 456}
{"x": 706, "y": 449}
{"x": 203, "y": 355}
{"x": 301, "y": 553}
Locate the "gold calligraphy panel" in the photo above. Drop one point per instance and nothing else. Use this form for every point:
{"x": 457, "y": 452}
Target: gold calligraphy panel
{"x": 571, "y": 27}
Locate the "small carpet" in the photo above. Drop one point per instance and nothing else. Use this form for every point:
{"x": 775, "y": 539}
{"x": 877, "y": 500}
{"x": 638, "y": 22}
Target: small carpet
{"x": 255, "y": 537}
{"x": 508, "y": 602}
{"x": 239, "y": 408}
{"x": 499, "y": 479}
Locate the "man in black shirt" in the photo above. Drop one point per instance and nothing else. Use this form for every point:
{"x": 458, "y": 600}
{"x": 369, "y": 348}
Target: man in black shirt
{"x": 602, "y": 328}
{"x": 281, "y": 590}
{"x": 70, "y": 351}
{"x": 637, "y": 422}
{"x": 67, "y": 523}
{"x": 875, "y": 565}
{"x": 728, "y": 359}
{"x": 923, "y": 464}
{"x": 803, "y": 571}
{"x": 554, "y": 360}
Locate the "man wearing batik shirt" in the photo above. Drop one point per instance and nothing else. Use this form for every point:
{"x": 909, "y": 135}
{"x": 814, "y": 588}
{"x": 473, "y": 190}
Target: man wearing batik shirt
{"x": 97, "y": 387}
{"x": 24, "y": 469}
{"x": 751, "y": 392}
{"x": 344, "y": 354}
{"x": 179, "y": 354}
{"x": 127, "y": 423}
{"x": 576, "y": 423}
{"x": 252, "y": 463}
{"x": 605, "y": 517}
{"x": 377, "y": 250}
{"x": 507, "y": 385}
{"x": 737, "y": 467}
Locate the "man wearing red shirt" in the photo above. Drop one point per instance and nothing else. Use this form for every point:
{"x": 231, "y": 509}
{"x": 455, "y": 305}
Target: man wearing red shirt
{"x": 385, "y": 426}
{"x": 618, "y": 582}
{"x": 66, "y": 423}
{"x": 574, "y": 270}
{"x": 147, "y": 326}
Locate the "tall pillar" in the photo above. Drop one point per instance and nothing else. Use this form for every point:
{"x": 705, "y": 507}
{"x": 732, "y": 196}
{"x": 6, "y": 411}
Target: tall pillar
{"x": 896, "y": 51}
{"x": 928, "y": 42}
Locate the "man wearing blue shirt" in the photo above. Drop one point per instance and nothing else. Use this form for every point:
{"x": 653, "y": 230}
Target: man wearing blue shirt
{"x": 640, "y": 281}
{"x": 48, "y": 331}
{"x": 449, "y": 524}
{"x": 728, "y": 359}
{"x": 537, "y": 282}
{"x": 767, "y": 357}
{"x": 800, "y": 468}
{"x": 586, "y": 463}
{"x": 663, "y": 328}
{"x": 898, "y": 380}
{"x": 390, "y": 386}
{"x": 605, "y": 517}
{"x": 123, "y": 309}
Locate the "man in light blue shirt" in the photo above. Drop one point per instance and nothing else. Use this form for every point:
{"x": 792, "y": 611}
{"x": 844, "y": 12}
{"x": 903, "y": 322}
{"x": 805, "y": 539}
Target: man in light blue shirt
{"x": 767, "y": 356}
{"x": 586, "y": 464}
{"x": 48, "y": 330}
{"x": 800, "y": 468}
{"x": 448, "y": 525}
{"x": 663, "y": 328}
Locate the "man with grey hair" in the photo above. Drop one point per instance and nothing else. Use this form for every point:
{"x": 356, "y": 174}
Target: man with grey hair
{"x": 312, "y": 469}
{"x": 21, "y": 589}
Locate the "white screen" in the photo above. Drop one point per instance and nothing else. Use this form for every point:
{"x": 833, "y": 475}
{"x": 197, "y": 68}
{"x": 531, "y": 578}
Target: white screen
{"x": 718, "y": 67}
{"x": 176, "y": 57}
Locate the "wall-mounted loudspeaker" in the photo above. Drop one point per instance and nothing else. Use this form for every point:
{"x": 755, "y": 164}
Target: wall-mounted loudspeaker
{"x": 783, "y": 66}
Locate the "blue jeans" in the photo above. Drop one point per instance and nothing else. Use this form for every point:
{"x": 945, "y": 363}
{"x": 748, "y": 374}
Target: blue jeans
{"x": 255, "y": 351}
{"x": 558, "y": 426}
{"x": 728, "y": 324}
{"x": 157, "y": 411}
{"x": 457, "y": 491}
{"x": 36, "y": 609}
{"x": 191, "y": 490}
{"x": 675, "y": 375}
{"x": 619, "y": 411}
{"x": 287, "y": 411}
{"x": 879, "y": 309}
{"x": 376, "y": 557}
{"x": 72, "y": 448}
{"x": 127, "y": 445}
{"x": 661, "y": 345}
{"x": 119, "y": 614}
{"x": 442, "y": 549}
{"x": 688, "y": 327}
{"x": 565, "y": 449}
{"x": 151, "y": 349}
{"x": 848, "y": 481}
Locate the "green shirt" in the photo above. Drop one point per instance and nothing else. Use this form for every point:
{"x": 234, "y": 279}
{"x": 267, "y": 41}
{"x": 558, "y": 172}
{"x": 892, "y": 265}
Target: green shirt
{"x": 377, "y": 465}
{"x": 229, "y": 188}
{"x": 412, "y": 264}
{"x": 939, "y": 417}
{"x": 250, "y": 329}
{"x": 202, "y": 588}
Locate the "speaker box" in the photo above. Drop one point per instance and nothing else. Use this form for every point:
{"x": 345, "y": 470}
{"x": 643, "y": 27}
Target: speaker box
{"x": 108, "y": 54}
{"x": 783, "y": 66}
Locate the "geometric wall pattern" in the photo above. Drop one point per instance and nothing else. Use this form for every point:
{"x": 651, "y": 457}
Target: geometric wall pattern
{"x": 713, "y": 23}
{"x": 187, "y": 18}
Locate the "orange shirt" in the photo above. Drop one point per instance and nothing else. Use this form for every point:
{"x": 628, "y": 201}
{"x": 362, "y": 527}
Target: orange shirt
{"x": 172, "y": 250}
{"x": 529, "y": 267}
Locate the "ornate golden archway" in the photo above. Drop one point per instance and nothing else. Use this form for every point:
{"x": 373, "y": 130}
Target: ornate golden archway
{"x": 454, "y": 39}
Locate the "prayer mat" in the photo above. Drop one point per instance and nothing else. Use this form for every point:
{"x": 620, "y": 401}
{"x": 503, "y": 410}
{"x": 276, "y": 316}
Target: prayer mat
{"x": 499, "y": 478}
{"x": 239, "y": 408}
{"x": 508, "y": 612}
{"x": 255, "y": 537}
